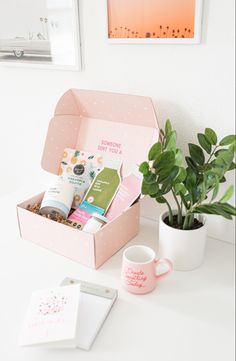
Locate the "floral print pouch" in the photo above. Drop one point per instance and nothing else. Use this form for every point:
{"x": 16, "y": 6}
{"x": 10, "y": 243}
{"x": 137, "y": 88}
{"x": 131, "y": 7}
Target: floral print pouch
{"x": 79, "y": 168}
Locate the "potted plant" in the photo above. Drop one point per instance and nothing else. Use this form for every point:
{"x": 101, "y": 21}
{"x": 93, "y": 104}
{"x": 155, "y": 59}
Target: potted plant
{"x": 194, "y": 186}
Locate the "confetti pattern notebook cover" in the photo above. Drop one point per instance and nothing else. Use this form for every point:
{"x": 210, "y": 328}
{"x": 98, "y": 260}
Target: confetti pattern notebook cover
{"x": 52, "y": 318}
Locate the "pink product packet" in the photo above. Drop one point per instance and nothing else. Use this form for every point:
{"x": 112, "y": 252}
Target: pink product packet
{"x": 78, "y": 218}
{"x": 129, "y": 191}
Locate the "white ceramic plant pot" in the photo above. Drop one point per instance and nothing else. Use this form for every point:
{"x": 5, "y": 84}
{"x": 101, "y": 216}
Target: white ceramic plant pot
{"x": 186, "y": 249}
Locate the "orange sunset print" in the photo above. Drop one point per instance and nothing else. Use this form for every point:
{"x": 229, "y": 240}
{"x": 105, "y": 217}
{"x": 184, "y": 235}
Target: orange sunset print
{"x": 151, "y": 18}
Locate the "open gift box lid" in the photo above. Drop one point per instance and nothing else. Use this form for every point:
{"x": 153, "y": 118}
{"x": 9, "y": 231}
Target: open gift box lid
{"x": 102, "y": 122}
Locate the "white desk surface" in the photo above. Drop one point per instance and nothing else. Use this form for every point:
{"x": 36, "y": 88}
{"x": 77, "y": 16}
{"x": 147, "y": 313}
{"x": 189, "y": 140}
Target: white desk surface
{"x": 189, "y": 317}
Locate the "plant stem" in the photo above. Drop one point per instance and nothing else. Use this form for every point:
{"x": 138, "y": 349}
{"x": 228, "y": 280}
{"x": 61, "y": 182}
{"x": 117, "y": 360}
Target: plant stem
{"x": 163, "y": 143}
{"x": 211, "y": 155}
{"x": 171, "y": 220}
{"x": 185, "y": 225}
{"x": 191, "y": 220}
{"x": 179, "y": 217}
{"x": 161, "y": 138}
{"x": 184, "y": 202}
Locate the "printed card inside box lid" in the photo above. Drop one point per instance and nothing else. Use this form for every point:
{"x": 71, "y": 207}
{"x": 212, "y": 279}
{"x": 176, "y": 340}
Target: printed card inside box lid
{"x": 116, "y": 124}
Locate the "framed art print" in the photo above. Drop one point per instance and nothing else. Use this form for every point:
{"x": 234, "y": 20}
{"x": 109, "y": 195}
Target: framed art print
{"x": 154, "y": 21}
{"x": 42, "y": 33}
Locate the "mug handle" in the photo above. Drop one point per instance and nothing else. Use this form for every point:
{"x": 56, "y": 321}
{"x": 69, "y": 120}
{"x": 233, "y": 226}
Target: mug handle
{"x": 165, "y": 261}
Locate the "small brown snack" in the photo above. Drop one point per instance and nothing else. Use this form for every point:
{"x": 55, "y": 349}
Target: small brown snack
{"x": 35, "y": 208}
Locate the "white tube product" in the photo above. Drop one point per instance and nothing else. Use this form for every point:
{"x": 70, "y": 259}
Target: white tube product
{"x": 58, "y": 199}
{"x": 95, "y": 223}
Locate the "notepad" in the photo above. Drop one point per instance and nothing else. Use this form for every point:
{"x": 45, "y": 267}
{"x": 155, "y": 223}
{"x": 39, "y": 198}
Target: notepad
{"x": 67, "y": 316}
{"x": 94, "y": 306}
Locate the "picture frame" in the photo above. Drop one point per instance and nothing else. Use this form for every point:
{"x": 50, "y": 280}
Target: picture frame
{"x": 43, "y": 34}
{"x": 120, "y": 21}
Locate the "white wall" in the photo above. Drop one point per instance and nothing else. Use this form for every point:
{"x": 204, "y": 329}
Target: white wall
{"x": 16, "y": 22}
{"x": 190, "y": 84}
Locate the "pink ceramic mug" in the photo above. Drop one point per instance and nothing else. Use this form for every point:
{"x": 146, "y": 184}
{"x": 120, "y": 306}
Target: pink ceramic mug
{"x": 139, "y": 266}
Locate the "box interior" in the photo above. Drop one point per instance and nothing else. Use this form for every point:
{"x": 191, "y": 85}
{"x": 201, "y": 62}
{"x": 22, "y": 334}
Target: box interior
{"x": 39, "y": 197}
{"x": 118, "y": 125}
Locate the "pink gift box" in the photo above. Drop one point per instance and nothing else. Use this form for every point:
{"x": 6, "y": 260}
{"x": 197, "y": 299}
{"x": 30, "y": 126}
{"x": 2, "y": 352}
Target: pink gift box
{"x": 102, "y": 122}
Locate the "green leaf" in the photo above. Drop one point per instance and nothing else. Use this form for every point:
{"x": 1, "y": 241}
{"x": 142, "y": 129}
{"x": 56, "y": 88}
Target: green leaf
{"x": 164, "y": 160}
{"x": 180, "y": 188}
{"x": 224, "y": 214}
{"x": 191, "y": 179}
{"x": 191, "y": 184}
{"x": 150, "y": 178}
{"x": 225, "y": 158}
{"x": 163, "y": 172}
{"x": 228, "y": 208}
{"x": 219, "y": 151}
{"x": 155, "y": 151}
{"x": 211, "y": 136}
{"x": 192, "y": 165}
{"x": 213, "y": 208}
{"x": 219, "y": 170}
{"x": 204, "y": 168}
{"x": 232, "y": 166}
{"x": 171, "y": 141}
{"x": 181, "y": 175}
{"x": 211, "y": 179}
{"x": 161, "y": 199}
{"x": 172, "y": 173}
{"x": 166, "y": 187}
{"x": 154, "y": 195}
{"x": 145, "y": 188}
{"x": 168, "y": 183}
{"x": 196, "y": 153}
{"x": 222, "y": 209}
{"x": 219, "y": 162}
{"x": 204, "y": 143}
{"x": 162, "y": 177}
{"x": 229, "y": 139}
{"x": 179, "y": 157}
{"x": 168, "y": 127}
{"x": 233, "y": 147}
{"x": 223, "y": 180}
{"x": 215, "y": 190}
{"x": 144, "y": 168}
{"x": 228, "y": 194}
{"x": 185, "y": 199}
{"x": 201, "y": 189}
{"x": 153, "y": 188}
